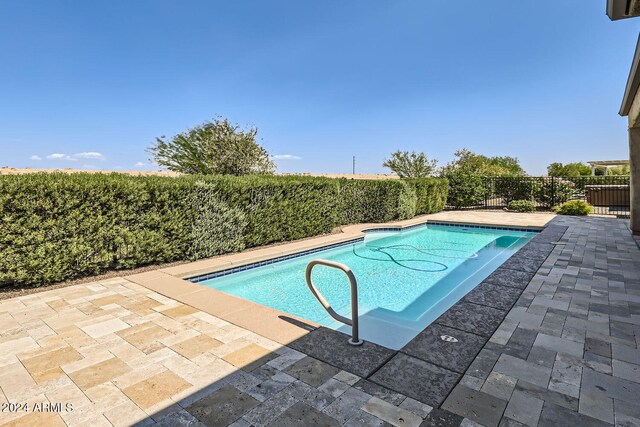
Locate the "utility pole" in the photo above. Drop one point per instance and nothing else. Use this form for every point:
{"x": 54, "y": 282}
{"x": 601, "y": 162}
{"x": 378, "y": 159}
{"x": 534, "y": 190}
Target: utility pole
{"x": 354, "y": 165}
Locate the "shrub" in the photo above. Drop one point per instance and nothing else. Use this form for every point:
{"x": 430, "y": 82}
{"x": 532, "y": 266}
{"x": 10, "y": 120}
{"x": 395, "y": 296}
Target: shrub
{"x": 515, "y": 188}
{"x": 545, "y": 191}
{"x": 551, "y": 192}
{"x": 55, "y": 227}
{"x": 376, "y": 201}
{"x": 574, "y": 207}
{"x": 522, "y": 206}
{"x": 279, "y": 209}
{"x": 465, "y": 190}
{"x": 217, "y": 228}
{"x": 58, "y": 226}
{"x": 431, "y": 194}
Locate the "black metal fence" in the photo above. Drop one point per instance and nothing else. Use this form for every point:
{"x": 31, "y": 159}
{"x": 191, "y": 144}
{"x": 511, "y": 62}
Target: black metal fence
{"x": 609, "y": 195}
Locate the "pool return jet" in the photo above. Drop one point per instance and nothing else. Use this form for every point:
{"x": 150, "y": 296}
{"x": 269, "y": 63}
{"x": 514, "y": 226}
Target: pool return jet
{"x": 353, "y": 322}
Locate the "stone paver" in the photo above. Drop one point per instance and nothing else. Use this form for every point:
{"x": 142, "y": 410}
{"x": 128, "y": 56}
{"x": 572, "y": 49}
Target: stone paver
{"x": 550, "y": 338}
{"x": 567, "y": 352}
{"x": 392, "y": 414}
{"x": 329, "y": 346}
{"x": 303, "y": 415}
{"x": 121, "y": 354}
{"x": 417, "y": 379}
{"x": 524, "y": 408}
{"x": 222, "y": 407}
{"x": 434, "y": 345}
{"x": 521, "y": 369}
{"x": 312, "y": 371}
{"x": 472, "y": 318}
{"x": 475, "y": 405}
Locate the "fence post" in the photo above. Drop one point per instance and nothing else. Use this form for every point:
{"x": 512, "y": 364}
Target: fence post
{"x": 553, "y": 192}
{"x": 485, "y": 180}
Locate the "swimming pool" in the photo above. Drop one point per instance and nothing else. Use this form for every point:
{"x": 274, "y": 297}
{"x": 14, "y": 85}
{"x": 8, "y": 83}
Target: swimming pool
{"x": 406, "y": 279}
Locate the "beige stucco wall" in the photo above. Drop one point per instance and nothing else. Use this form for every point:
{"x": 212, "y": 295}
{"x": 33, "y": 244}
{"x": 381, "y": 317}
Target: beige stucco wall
{"x": 634, "y": 162}
{"x": 634, "y": 112}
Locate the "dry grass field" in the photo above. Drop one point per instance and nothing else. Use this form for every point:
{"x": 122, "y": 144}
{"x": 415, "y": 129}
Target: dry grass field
{"x": 23, "y": 171}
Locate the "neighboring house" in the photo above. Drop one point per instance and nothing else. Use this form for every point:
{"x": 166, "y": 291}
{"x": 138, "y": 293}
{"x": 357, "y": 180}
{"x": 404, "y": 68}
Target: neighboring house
{"x": 621, "y": 9}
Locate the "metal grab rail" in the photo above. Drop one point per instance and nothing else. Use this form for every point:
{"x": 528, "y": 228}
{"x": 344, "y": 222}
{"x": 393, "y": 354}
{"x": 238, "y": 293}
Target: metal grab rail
{"x": 353, "y": 322}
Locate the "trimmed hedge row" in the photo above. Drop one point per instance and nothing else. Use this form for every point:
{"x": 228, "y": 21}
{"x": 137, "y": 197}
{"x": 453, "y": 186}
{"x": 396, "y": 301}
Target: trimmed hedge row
{"x": 431, "y": 194}
{"x": 277, "y": 208}
{"x": 55, "y": 227}
{"x": 376, "y": 201}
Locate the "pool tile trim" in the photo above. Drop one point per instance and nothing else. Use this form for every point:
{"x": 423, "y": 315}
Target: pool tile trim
{"x": 453, "y": 224}
{"x": 487, "y": 227}
{"x": 203, "y": 277}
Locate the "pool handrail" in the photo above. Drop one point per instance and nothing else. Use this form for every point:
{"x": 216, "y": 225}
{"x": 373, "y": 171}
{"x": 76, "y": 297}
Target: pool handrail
{"x": 353, "y": 322}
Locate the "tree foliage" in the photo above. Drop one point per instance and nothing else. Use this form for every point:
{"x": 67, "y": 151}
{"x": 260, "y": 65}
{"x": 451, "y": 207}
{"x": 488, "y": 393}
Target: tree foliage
{"x": 619, "y": 170}
{"x": 411, "y": 164}
{"x": 470, "y": 163}
{"x": 568, "y": 169}
{"x": 213, "y": 148}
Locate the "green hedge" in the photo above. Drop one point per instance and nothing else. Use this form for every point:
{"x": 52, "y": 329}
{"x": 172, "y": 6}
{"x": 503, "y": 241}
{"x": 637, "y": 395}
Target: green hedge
{"x": 55, "y": 227}
{"x": 466, "y": 190}
{"x": 431, "y": 194}
{"x": 217, "y": 228}
{"x": 280, "y": 209}
{"x": 376, "y": 201}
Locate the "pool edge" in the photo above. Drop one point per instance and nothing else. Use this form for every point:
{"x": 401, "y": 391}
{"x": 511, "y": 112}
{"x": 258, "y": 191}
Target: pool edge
{"x": 279, "y": 326}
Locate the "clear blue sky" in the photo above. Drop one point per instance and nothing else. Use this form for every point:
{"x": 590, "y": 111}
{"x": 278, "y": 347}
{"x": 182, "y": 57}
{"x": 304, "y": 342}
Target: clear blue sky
{"x": 96, "y": 82}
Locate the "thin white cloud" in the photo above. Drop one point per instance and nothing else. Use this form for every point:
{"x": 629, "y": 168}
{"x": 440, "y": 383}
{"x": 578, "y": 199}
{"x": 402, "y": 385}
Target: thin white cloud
{"x": 85, "y": 155}
{"x": 35, "y": 157}
{"x": 59, "y": 156}
{"x": 89, "y": 155}
{"x": 286, "y": 157}
{"x": 139, "y": 164}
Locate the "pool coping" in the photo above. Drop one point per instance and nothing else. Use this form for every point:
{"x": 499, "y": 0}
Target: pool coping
{"x": 279, "y": 326}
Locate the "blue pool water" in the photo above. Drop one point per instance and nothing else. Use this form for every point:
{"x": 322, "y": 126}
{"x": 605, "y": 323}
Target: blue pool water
{"x": 405, "y": 279}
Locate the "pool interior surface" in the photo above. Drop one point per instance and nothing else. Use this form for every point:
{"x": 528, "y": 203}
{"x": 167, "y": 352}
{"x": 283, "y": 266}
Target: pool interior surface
{"x": 406, "y": 279}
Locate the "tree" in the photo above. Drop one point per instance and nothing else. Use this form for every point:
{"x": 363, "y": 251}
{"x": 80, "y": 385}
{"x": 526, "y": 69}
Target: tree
{"x": 470, "y": 163}
{"x": 619, "y": 170}
{"x": 411, "y": 164}
{"x": 217, "y": 147}
{"x": 569, "y": 169}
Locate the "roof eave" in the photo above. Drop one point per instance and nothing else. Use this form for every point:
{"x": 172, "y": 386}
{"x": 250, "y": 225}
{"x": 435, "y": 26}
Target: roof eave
{"x": 633, "y": 82}
{"x": 618, "y": 9}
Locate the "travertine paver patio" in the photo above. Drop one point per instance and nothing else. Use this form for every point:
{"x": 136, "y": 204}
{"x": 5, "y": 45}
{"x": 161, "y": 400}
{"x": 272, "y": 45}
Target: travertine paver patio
{"x": 120, "y": 354}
